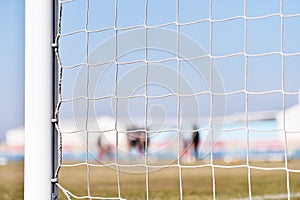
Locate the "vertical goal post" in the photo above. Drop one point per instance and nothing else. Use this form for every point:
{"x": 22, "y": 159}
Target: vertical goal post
{"x": 40, "y": 145}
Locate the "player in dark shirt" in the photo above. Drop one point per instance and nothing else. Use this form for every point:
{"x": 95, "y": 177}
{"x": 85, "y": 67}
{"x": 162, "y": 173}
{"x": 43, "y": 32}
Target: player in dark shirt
{"x": 196, "y": 141}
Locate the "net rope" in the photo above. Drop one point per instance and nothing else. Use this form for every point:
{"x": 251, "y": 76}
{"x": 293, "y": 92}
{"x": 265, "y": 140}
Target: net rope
{"x": 212, "y": 57}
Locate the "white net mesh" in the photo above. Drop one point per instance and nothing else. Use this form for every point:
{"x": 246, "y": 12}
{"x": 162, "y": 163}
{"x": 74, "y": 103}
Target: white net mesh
{"x": 178, "y": 99}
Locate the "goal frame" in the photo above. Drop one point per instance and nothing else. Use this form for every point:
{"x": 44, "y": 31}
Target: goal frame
{"x": 40, "y": 69}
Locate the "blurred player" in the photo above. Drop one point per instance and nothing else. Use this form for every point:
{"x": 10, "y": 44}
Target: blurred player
{"x": 105, "y": 148}
{"x": 137, "y": 140}
{"x": 142, "y": 141}
{"x": 133, "y": 139}
{"x": 196, "y": 140}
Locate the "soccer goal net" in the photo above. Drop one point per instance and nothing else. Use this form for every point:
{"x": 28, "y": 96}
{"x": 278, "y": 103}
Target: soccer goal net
{"x": 178, "y": 99}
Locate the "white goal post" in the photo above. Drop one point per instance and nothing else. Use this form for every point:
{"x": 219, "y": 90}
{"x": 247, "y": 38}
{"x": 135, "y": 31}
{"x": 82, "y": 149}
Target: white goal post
{"x": 38, "y": 99}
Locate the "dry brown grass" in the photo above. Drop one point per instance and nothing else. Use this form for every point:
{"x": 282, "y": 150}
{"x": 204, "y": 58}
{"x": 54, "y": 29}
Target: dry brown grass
{"x": 197, "y": 183}
{"x": 11, "y": 181}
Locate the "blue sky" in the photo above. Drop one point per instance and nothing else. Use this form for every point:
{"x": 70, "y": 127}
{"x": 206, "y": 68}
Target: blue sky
{"x": 12, "y": 64}
{"x": 264, "y": 73}
{"x": 263, "y": 36}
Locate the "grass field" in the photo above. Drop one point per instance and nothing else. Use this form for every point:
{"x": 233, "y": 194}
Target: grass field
{"x": 163, "y": 183}
{"x": 11, "y": 181}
